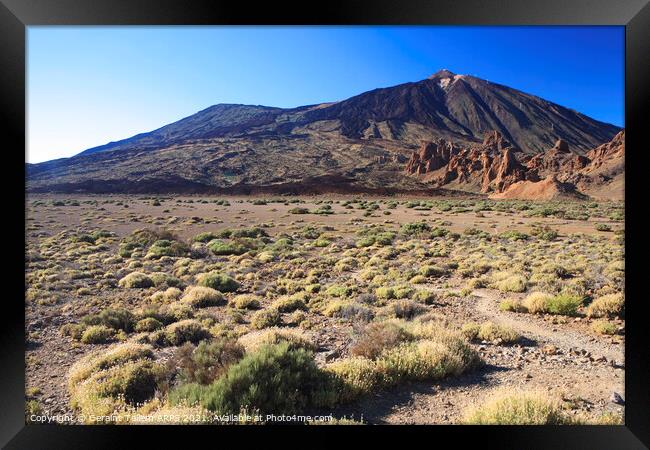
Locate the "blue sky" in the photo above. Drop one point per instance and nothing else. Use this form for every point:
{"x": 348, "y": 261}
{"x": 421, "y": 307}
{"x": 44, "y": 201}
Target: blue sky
{"x": 91, "y": 85}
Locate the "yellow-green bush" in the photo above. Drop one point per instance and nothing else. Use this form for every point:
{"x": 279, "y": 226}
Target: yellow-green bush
{"x": 610, "y": 305}
{"x": 517, "y": 408}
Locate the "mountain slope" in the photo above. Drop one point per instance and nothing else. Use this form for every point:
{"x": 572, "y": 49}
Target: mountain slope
{"x": 362, "y": 142}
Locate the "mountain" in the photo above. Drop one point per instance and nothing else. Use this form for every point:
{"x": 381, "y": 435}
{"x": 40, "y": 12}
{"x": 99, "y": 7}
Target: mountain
{"x": 356, "y": 145}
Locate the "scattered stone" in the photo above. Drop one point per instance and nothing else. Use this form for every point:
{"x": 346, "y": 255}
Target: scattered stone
{"x": 616, "y": 398}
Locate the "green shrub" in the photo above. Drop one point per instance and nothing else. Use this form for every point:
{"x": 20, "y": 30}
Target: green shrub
{"x": 274, "y": 380}
{"x": 219, "y": 281}
{"x": 564, "y": 304}
{"x": 416, "y": 228}
{"x": 204, "y": 237}
{"x": 603, "y": 227}
{"x": 165, "y": 247}
{"x": 298, "y": 210}
{"x": 118, "y": 319}
{"x": 219, "y": 247}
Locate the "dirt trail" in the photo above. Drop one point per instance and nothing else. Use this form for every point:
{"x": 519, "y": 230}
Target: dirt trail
{"x": 591, "y": 379}
{"x": 536, "y": 329}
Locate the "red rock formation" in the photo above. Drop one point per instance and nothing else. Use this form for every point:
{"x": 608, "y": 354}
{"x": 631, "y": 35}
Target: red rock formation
{"x": 496, "y": 167}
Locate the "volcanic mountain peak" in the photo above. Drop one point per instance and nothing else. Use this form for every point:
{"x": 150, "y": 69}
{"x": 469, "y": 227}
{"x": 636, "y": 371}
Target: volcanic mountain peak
{"x": 364, "y": 138}
{"x": 443, "y": 73}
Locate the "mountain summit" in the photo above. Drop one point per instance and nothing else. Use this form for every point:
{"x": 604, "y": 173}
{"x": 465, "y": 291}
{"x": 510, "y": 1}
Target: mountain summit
{"x": 362, "y": 142}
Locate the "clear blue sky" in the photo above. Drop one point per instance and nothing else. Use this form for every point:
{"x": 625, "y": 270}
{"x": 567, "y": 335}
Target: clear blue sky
{"x": 91, "y": 85}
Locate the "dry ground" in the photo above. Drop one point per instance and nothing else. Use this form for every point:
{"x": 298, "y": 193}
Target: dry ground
{"x": 68, "y": 279}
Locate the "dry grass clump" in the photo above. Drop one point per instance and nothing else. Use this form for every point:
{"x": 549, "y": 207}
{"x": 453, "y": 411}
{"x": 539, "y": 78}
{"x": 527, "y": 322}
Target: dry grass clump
{"x": 188, "y": 330}
{"x": 536, "y": 302}
{"x": 611, "y": 305}
{"x": 434, "y": 353}
{"x": 604, "y": 327}
{"x": 490, "y": 332}
{"x": 256, "y": 339}
{"x": 405, "y": 309}
{"x": 245, "y": 301}
{"x": 512, "y": 304}
{"x": 206, "y": 362}
{"x": 290, "y": 303}
{"x": 505, "y": 407}
{"x": 136, "y": 280}
{"x": 148, "y": 324}
{"x": 97, "y": 334}
{"x": 202, "y": 297}
{"x": 379, "y": 336}
{"x": 509, "y": 282}
{"x": 266, "y": 318}
{"x": 108, "y": 381}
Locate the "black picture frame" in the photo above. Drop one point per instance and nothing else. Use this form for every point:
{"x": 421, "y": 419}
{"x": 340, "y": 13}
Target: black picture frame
{"x": 16, "y": 15}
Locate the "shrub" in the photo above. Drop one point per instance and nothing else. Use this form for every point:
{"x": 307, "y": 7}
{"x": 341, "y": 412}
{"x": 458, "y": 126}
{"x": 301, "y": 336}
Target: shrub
{"x": 165, "y": 247}
{"x": 298, "y": 211}
{"x": 610, "y": 305}
{"x": 491, "y": 332}
{"x": 337, "y": 290}
{"x": 187, "y": 330}
{"x": 208, "y": 361}
{"x": 512, "y": 283}
{"x": 103, "y": 382}
{"x": 378, "y": 337}
{"x": 289, "y": 304}
{"x": 118, "y": 319}
{"x": 163, "y": 279}
{"x": 97, "y": 334}
{"x": 265, "y": 318}
{"x": 276, "y": 379}
{"x": 219, "y": 247}
{"x": 255, "y": 340}
{"x": 385, "y": 292}
{"x": 205, "y": 237}
{"x": 603, "y": 227}
{"x": 219, "y": 281}
{"x": 511, "y": 304}
{"x": 564, "y": 304}
{"x": 604, "y": 327}
{"x": 537, "y": 302}
{"x": 202, "y": 297}
{"x": 148, "y": 324}
{"x": 136, "y": 280}
{"x": 411, "y": 229}
{"x": 406, "y": 309}
{"x": 245, "y": 301}
{"x": 519, "y": 408}
{"x": 441, "y": 353}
